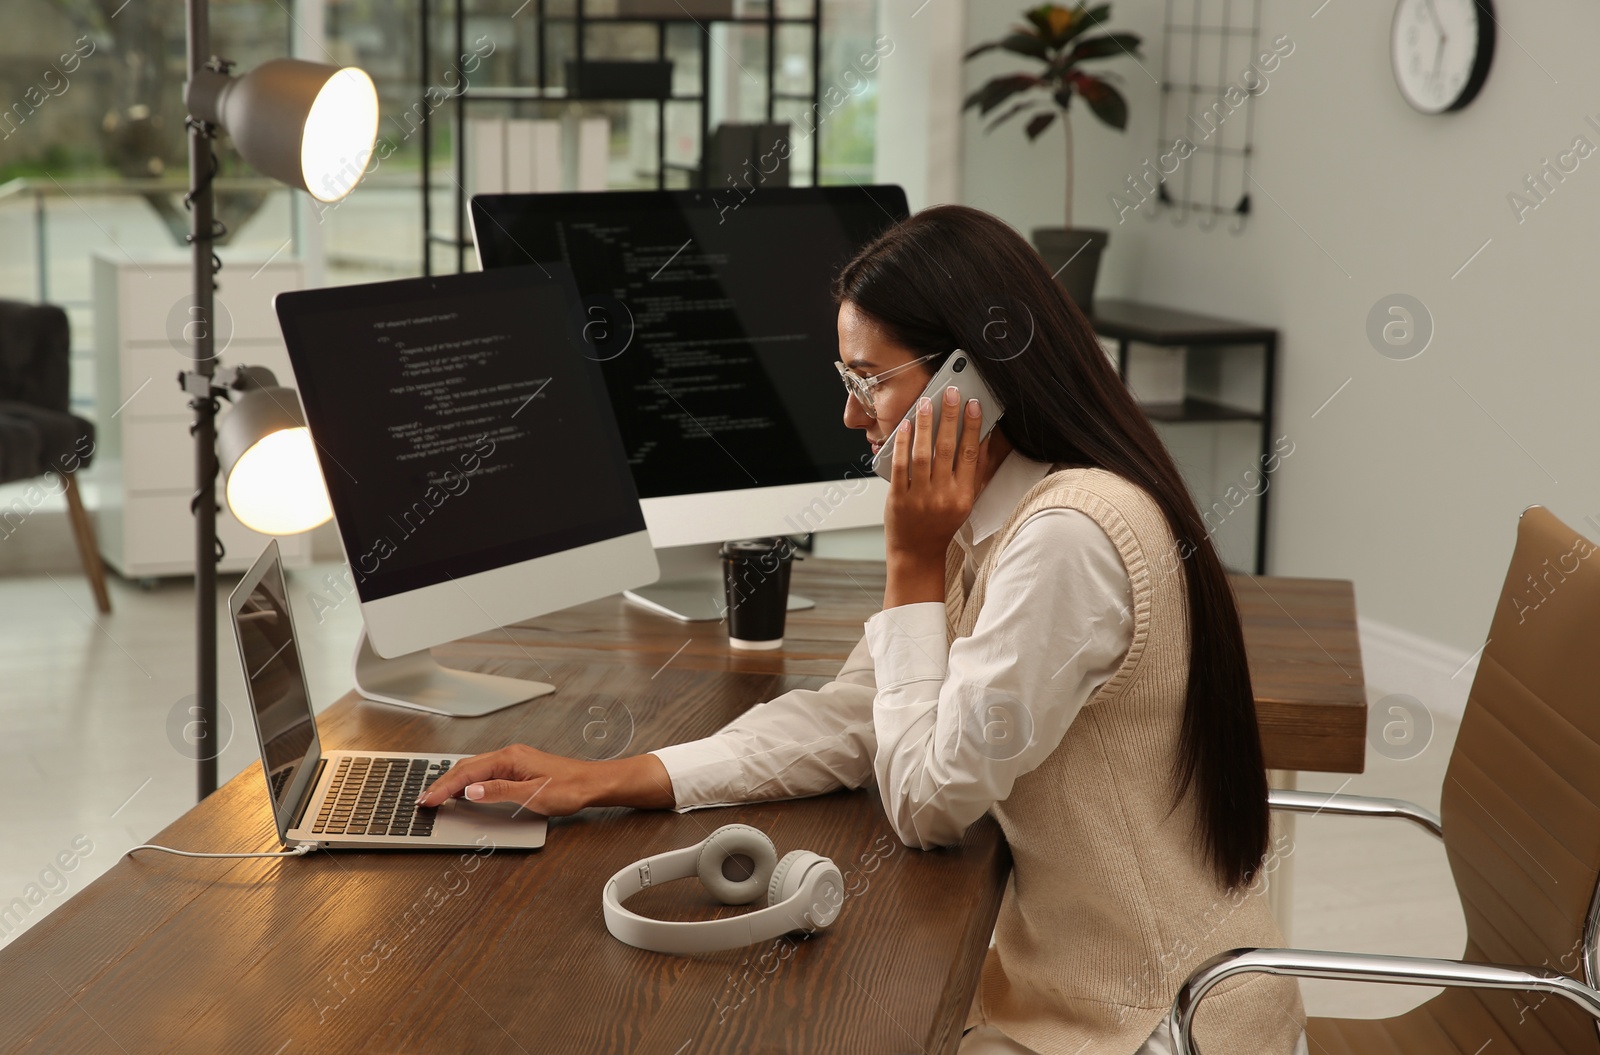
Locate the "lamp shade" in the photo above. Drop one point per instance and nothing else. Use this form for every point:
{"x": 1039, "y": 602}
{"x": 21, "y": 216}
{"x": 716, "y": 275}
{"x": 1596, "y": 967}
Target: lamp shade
{"x": 273, "y": 482}
{"x": 307, "y": 124}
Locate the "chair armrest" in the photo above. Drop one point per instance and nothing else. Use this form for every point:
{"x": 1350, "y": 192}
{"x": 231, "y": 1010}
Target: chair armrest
{"x": 1365, "y": 967}
{"x": 1354, "y": 806}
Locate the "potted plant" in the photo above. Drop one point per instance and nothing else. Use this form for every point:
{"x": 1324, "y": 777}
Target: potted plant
{"x": 1054, "y": 35}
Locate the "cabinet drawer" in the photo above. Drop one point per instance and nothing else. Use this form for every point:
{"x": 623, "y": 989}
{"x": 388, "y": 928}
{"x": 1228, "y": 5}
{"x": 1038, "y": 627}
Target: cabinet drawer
{"x": 156, "y": 365}
{"x": 157, "y": 454}
{"x": 158, "y": 537}
{"x": 154, "y": 301}
{"x": 248, "y": 294}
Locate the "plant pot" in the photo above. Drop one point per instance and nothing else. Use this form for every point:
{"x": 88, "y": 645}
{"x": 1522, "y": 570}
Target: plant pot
{"x": 1073, "y": 255}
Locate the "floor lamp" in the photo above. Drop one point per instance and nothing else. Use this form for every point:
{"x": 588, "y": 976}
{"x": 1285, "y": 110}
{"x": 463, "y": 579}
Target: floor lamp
{"x": 301, "y": 123}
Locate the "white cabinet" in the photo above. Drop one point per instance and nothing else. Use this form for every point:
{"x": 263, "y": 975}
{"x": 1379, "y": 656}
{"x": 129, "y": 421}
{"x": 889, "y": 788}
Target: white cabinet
{"x": 144, "y": 457}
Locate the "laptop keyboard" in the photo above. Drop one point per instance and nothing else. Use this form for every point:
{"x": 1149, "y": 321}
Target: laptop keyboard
{"x": 378, "y": 796}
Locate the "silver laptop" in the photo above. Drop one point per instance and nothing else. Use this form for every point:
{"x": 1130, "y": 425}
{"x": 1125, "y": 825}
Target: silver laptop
{"x": 354, "y": 799}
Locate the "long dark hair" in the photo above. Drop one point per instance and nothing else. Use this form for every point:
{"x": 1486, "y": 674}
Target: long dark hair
{"x": 954, "y": 277}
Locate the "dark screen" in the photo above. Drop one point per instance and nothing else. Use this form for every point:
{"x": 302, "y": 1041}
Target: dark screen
{"x": 275, "y": 685}
{"x": 459, "y": 426}
{"x": 711, "y": 317}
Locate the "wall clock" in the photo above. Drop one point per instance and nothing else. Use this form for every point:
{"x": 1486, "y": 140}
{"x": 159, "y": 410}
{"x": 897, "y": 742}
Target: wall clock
{"x": 1441, "y": 50}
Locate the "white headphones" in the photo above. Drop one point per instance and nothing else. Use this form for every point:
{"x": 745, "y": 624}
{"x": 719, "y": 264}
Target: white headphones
{"x": 804, "y": 892}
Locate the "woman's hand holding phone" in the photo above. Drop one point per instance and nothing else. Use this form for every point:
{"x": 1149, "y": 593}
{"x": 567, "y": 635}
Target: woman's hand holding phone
{"x": 933, "y": 484}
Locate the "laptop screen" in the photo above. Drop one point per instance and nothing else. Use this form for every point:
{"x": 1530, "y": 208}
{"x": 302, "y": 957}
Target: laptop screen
{"x": 275, "y": 683}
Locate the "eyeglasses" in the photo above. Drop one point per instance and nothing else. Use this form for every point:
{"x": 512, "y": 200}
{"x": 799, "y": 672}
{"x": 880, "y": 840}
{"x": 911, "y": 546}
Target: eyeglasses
{"x": 861, "y": 386}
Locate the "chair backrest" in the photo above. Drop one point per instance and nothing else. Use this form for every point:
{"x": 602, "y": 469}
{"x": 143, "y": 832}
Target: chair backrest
{"x": 35, "y": 350}
{"x": 1521, "y": 797}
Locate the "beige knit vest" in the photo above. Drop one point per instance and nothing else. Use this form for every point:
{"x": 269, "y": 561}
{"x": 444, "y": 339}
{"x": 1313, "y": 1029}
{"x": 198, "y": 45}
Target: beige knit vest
{"x": 1110, "y": 906}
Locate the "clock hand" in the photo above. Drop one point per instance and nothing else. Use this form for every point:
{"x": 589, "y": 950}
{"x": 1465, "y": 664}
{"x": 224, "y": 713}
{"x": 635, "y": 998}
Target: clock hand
{"x": 1439, "y": 51}
{"x": 1435, "y": 16}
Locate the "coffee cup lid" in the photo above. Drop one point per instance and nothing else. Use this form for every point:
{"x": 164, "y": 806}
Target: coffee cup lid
{"x": 752, "y": 547}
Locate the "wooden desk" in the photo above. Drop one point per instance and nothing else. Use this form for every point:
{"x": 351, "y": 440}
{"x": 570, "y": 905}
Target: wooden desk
{"x": 1305, "y": 658}
{"x": 507, "y": 953}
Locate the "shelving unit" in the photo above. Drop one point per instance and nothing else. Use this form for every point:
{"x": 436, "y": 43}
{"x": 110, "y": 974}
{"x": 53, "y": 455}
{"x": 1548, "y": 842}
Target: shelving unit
{"x": 1129, "y": 322}
{"x": 543, "y": 91}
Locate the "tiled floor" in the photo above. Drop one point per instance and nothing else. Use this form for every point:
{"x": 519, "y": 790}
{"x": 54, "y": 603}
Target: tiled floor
{"x": 86, "y": 705}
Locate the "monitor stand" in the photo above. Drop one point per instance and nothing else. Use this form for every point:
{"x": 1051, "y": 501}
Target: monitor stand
{"x": 416, "y": 680}
{"x": 691, "y": 585}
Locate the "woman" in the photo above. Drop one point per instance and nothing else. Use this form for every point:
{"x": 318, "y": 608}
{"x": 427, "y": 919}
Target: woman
{"x": 1058, "y": 645}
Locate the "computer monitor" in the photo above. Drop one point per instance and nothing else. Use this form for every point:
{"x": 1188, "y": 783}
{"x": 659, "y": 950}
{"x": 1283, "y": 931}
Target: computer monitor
{"x": 473, "y": 464}
{"x": 710, "y": 314}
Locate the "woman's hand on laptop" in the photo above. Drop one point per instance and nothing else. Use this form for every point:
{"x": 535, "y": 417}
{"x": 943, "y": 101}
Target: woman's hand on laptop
{"x": 553, "y": 785}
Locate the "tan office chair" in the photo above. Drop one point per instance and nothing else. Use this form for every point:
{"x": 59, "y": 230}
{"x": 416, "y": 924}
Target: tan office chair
{"x": 1521, "y": 825}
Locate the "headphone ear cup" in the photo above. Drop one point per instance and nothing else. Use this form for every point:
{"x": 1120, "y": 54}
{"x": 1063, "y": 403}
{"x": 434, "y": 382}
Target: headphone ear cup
{"x": 794, "y": 863}
{"x": 828, "y": 886}
{"x": 725, "y": 842}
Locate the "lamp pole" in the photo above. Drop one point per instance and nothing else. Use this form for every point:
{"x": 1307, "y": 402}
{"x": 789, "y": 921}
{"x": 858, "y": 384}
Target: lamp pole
{"x": 197, "y": 381}
{"x": 268, "y": 134}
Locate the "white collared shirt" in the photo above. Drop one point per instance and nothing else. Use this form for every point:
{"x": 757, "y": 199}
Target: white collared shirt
{"x": 944, "y": 730}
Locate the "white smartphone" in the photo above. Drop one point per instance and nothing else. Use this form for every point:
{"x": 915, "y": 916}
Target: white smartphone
{"x": 958, "y": 370}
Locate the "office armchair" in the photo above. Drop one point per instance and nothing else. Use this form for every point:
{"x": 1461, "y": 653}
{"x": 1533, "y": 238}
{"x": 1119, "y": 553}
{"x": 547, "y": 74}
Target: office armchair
{"x": 1520, "y": 813}
{"x": 38, "y": 434}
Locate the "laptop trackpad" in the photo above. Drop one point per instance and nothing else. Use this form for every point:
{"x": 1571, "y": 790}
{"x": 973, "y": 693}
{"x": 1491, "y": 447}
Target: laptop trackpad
{"x": 504, "y": 824}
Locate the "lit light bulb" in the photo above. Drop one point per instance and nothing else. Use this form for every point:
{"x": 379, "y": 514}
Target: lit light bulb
{"x": 276, "y": 486}
{"x": 339, "y": 133}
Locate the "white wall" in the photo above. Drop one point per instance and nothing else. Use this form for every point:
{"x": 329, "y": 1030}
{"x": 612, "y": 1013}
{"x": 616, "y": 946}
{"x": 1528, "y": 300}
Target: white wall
{"x": 918, "y": 131}
{"x": 1411, "y": 480}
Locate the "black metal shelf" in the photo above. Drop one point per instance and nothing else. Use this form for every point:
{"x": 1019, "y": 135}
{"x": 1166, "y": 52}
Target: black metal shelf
{"x": 1127, "y": 322}
{"x": 520, "y": 94}
{"x": 560, "y": 95}
{"x": 544, "y": 92}
{"x": 1192, "y": 408}
{"x": 678, "y": 19}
